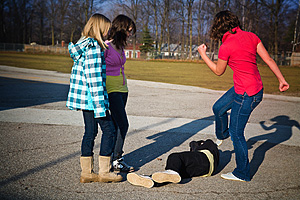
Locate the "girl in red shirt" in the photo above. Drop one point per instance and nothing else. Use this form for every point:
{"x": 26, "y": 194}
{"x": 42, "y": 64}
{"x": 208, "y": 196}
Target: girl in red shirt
{"x": 238, "y": 50}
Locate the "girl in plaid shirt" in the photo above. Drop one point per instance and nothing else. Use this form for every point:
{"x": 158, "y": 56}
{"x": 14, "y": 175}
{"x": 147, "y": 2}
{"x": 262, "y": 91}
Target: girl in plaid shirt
{"x": 88, "y": 93}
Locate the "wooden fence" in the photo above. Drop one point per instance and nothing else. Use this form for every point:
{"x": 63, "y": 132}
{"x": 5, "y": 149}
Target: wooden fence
{"x": 295, "y": 58}
{"x": 45, "y": 49}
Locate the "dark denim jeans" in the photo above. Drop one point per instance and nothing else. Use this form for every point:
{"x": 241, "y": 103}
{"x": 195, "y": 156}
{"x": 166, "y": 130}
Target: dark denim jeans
{"x": 241, "y": 107}
{"x": 117, "y": 104}
{"x": 91, "y": 131}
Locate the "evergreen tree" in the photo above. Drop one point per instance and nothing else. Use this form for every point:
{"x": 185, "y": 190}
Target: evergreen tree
{"x": 146, "y": 41}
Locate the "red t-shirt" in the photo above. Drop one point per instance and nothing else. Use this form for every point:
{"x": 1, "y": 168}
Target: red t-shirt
{"x": 239, "y": 50}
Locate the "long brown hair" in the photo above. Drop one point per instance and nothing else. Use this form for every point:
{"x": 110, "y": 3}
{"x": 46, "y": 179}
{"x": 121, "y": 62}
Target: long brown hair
{"x": 96, "y": 27}
{"x": 224, "y": 21}
{"x": 118, "y": 32}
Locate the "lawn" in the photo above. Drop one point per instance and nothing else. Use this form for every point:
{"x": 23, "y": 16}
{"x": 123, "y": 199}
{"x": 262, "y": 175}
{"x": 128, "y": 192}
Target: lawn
{"x": 184, "y": 73}
{"x": 37, "y": 61}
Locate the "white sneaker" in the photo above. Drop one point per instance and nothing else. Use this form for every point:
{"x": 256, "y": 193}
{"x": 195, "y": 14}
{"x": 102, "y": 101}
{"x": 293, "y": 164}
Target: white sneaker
{"x": 121, "y": 166}
{"x": 166, "y": 176}
{"x": 219, "y": 142}
{"x": 230, "y": 176}
{"x": 140, "y": 180}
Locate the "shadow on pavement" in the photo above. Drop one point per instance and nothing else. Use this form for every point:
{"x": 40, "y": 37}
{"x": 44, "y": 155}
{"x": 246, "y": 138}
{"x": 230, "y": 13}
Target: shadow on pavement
{"x": 165, "y": 141}
{"x": 17, "y": 93}
{"x": 282, "y": 132}
{"x": 38, "y": 169}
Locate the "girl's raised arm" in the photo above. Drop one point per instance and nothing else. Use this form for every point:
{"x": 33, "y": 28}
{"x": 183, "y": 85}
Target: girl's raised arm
{"x": 218, "y": 68}
{"x": 262, "y": 52}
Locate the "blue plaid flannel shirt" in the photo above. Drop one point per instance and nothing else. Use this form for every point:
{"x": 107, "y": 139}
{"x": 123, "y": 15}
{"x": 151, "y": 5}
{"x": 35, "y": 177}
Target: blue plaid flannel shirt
{"x": 88, "y": 78}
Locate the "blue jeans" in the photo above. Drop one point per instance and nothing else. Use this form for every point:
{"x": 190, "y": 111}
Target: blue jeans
{"x": 241, "y": 107}
{"x": 91, "y": 131}
{"x": 117, "y": 104}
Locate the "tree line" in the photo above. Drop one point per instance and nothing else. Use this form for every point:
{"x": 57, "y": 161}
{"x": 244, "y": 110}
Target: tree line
{"x": 183, "y": 22}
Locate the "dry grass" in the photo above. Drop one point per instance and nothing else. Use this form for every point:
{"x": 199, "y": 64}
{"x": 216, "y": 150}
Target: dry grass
{"x": 37, "y": 61}
{"x": 198, "y": 74}
{"x": 179, "y": 72}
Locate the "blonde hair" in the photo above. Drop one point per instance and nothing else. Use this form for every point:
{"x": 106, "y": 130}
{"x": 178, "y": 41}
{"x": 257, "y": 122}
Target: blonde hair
{"x": 96, "y": 27}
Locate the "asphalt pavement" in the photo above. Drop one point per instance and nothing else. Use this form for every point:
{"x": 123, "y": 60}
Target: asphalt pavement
{"x": 40, "y": 141}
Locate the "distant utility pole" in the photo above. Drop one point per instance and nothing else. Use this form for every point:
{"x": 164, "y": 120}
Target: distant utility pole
{"x": 295, "y": 42}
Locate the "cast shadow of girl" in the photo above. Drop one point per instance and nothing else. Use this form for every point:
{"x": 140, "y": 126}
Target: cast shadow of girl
{"x": 283, "y": 132}
{"x": 167, "y": 140}
{"x": 225, "y": 157}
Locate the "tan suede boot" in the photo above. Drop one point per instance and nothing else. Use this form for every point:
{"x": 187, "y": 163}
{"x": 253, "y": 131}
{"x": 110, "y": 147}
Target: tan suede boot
{"x": 87, "y": 173}
{"x": 104, "y": 170}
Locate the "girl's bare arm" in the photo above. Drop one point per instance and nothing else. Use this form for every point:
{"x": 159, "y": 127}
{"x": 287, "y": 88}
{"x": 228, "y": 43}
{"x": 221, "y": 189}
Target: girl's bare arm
{"x": 218, "y": 68}
{"x": 262, "y": 52}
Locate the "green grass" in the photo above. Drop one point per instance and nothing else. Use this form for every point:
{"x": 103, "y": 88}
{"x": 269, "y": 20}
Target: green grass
{"x": 51, "y": 62}
{"x": 184, "y": 73}
{"x": 198, "y": 74}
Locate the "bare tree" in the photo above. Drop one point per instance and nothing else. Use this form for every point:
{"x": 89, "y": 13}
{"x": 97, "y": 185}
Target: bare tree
{"x": 41, "y": 9}
{"x": 88, "y": 7}
{"x": 2, "y": 19}
{"x": 275, "y": 8}
{"x": 167, "y": 7}
{"x": 154, "y": 6}
{"x": 53, "y": 8}
{"x": 63, "y": 6}
{"x": 75, "y": 23}
{"x": 164, "y": 13}
{"x": 200, "y": 19}
{"x": 295, "y": 31}
{"x": 181, "y": 14}
{"x": 31, "y": 20}
{"x": 190, "y": 25}
{"x": 17, "y": 20}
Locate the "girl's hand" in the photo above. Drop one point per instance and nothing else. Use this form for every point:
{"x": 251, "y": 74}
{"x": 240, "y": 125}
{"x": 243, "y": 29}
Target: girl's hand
{"x": 108, "y": 41}
{"x": 202, "y": 49}
{"x": 283, "y": 86}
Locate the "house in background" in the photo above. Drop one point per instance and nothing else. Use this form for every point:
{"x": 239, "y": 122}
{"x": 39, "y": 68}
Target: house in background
{"x": 175, "y": 51}
{"x": 129, "y": 51}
